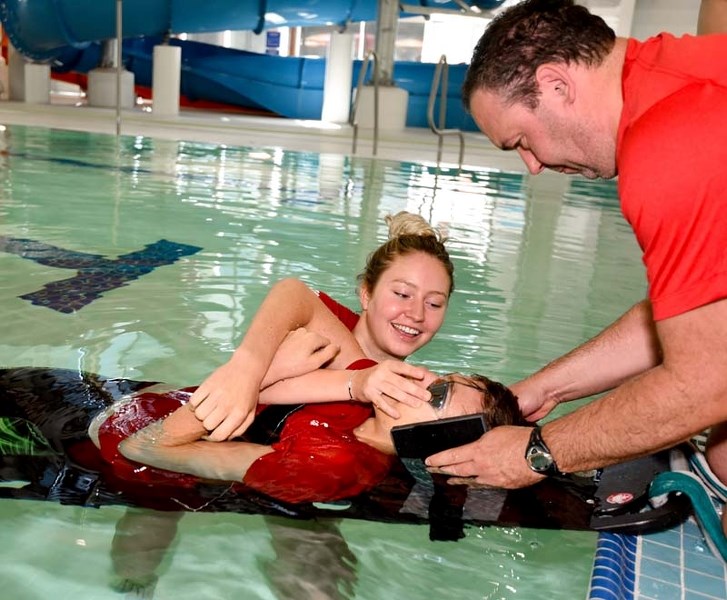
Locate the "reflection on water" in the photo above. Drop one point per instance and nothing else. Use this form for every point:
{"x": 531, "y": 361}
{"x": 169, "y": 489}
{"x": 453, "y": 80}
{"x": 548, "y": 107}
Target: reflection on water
{"x": 312, "y": 560}
{"x": 541, "y": 264}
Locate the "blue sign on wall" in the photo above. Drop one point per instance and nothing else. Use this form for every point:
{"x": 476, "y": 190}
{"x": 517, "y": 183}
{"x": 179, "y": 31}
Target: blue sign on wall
{"x": 272, "y": 43}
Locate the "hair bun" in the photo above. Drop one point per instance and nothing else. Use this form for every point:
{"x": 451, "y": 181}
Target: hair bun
{"x": 406, "y": 223}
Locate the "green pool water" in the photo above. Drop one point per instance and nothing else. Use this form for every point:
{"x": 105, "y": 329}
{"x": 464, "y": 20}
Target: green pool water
{"x": 541, "y": 265}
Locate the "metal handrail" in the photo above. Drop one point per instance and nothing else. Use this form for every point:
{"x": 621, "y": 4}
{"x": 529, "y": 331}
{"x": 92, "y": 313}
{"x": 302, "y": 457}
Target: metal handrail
{"x": 119, "y": 63}
{"x": 352, "y": 119}
{"x": 441, "y": 73}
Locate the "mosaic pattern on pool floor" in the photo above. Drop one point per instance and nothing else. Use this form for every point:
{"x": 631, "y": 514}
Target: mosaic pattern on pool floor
{"x": 95, "y": 275}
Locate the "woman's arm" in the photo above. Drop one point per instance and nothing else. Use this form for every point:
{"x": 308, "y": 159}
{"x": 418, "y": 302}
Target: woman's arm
{"x": 301, "y": 352}
{"x": 383, "y": 385}
{"x": 141, "y": 540}
{"x": 226, "y": 400}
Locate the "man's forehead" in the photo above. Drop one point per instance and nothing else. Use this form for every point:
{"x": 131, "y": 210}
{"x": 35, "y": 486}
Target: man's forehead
{"x": 493, "y": 115}
{"x": 459, "y": 378}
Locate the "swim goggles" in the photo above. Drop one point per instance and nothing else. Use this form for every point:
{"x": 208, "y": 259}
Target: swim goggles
{"x": 441, "y": 390}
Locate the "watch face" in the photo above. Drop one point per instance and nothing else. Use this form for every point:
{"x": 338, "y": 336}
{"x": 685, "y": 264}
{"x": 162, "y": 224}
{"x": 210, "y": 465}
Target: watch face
{"x": 539, "y": 460}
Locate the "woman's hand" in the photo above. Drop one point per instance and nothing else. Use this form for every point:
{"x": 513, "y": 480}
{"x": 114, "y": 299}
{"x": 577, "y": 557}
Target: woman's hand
{"x": 225, "y": 402}
{"x": 301, "y": 352}
{"x": 389, "y": 382}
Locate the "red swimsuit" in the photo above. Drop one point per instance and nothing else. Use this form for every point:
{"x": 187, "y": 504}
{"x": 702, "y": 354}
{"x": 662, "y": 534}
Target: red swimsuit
{"x": 317, "y": 457}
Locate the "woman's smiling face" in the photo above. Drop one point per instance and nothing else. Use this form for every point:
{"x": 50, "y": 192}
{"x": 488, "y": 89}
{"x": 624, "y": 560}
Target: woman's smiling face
{"x": 406, "y": 308}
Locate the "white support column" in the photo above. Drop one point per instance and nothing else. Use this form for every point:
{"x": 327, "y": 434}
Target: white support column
{"x": 102, "y": 88}
{"x": 37, "y": 83}
{"x": 619, "y": 15}
{"x": 339, "y": 74}
{"x": 16, "y": 74}
{"x": 387, "y": 22}
{"x": 626, "y": 18}
{"x": 393, "y": 103}
{"x": 166, "y": 78}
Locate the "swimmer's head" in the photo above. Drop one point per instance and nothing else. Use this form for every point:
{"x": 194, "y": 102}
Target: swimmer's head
{"x": 455, "y": 394}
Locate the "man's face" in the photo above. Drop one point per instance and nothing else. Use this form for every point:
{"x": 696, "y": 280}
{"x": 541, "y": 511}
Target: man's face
{"x": 464, "y": 397}
{"x": 553, "y": 136}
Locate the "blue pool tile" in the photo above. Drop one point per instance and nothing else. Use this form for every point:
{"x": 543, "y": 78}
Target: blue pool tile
{"x": 613, "y": 576}
{"x": 700, "y": 574}
{"x": 95, "y": 274}
{"x": 697, "y": 596}
{"x": 654, "y": 588}
{"x": 662, "y": 552}
{"x": 605, "y": 593}
{"x": 669, "y": 537}
{"x": 711, "y": 586}
{"x": 660, "y": 570}
{"x": 704, "y": 562}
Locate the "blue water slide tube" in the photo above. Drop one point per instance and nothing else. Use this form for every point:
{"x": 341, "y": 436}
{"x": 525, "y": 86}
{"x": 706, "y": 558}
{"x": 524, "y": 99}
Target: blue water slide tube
{"x": 44, "y": 29}
{"x": 288, "y": 86}
{"x": 67, "y": 33}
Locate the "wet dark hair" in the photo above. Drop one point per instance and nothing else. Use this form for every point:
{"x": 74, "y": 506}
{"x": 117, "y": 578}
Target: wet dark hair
{"x": 500, "y": 405}
{"x": 408, "y": 233}
{"x": 528, "y": 35}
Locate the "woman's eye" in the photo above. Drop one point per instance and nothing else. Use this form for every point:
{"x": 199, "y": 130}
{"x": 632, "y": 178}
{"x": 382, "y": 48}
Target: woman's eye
{"x": 402, "y": 295}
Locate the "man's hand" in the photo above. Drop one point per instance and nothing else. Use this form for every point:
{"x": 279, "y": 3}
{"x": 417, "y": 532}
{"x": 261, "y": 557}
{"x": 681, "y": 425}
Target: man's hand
{"x": 497, "y": 459}
{"x": 534, "y": 405}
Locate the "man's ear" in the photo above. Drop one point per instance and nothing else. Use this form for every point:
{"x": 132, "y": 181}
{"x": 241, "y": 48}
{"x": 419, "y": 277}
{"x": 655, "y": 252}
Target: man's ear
{"x": 555, "y": 82}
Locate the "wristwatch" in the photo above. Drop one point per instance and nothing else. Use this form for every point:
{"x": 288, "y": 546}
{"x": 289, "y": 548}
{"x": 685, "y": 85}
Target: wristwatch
{"x": 538, "y": 455}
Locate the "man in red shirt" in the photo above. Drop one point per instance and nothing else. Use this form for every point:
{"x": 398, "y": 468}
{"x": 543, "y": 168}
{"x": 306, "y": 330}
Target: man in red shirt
{"x": 553, "y": 82}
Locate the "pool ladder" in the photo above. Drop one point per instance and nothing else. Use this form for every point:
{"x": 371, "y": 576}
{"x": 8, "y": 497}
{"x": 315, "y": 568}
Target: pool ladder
{"x": 440, "y": 75}
{"x": 353, "y": 114}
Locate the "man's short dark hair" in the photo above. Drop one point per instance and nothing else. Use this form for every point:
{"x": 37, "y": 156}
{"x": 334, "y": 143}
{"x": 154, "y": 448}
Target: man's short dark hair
{"x": 528, "y": 35}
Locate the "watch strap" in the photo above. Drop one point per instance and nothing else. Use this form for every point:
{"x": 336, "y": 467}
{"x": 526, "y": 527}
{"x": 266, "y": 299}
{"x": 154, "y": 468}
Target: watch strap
{"x": 536, "y": 445}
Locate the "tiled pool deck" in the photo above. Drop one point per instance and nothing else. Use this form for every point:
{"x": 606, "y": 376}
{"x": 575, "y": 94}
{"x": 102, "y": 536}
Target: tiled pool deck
{"x": 675, "y": 564}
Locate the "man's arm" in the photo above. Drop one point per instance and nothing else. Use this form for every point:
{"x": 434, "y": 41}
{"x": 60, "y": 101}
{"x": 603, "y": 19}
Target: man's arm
{"x": 665, "y": 405}
{"x": 712, "y": 17}
{"x": 682, "y": 396}
{"x": 627, "y": 347}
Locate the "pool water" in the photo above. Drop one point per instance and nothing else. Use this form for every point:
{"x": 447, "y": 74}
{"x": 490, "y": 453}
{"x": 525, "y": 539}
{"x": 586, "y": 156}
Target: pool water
{"x": 541, "y": 265}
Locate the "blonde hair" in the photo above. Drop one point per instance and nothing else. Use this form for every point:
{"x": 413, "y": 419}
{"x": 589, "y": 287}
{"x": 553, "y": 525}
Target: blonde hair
{"x": 406, "y": 223}
{"x": 408, "y": 233}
